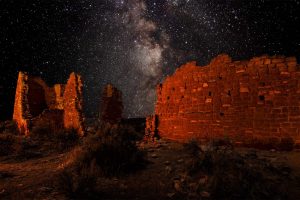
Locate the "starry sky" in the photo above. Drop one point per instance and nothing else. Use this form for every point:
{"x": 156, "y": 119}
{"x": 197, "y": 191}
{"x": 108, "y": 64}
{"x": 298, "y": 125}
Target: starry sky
{"x": 134, "y": 44}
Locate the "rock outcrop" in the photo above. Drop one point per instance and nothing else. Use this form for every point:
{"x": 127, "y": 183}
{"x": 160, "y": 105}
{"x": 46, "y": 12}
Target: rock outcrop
{"x": 244, "y": 101}
{"x": 111, "y": 105}
{"x": 34, "y": 100}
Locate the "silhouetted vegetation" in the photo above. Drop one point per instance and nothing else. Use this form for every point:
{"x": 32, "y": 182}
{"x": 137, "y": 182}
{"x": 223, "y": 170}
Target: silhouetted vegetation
{"x": 61, "y": 139}
{"x": 78, "y": 184}
{"x": 9, "y": 127}
{"x": 7, "y": 142}
{"x": 110, "y": 152}
{"x": 231, "y": 175}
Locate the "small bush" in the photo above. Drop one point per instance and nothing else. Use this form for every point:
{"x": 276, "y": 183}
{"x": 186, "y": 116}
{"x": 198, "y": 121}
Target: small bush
{"x": 41, "y": 131}
{"x": 61, "y": 139}
{"x": 66, "y": 139}
{"x": 233, "y": 176}
{"x": 9, "y": 127}
{"x": 19, "y": 146}
{"x": 78, "y": 185}
{"x": 192, "y": 147}
{"x": 7, "y": 142}
{"x": 112, "y": 151}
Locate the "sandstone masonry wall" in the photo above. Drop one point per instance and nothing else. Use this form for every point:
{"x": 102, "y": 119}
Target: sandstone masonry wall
{"x": 73, "y": 104}
{"x": 111, "y": 105}
{"x": 35, "y": 101}
{"x": 241, "y": 100}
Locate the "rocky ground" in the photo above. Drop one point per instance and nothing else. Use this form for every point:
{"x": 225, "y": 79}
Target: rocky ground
{"x": 167, "y": 175}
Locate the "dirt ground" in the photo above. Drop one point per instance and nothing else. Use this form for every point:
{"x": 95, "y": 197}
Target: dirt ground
{"x": 36, "y": 178}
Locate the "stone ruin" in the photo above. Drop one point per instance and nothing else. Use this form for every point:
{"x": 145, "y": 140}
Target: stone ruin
{"x": 111, "y": 105}
{"x": 60, "y": 105}
{"x": 244, "y": 101}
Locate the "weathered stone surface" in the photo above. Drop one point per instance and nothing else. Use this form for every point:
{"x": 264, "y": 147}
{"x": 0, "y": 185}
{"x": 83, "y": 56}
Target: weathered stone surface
{"x": 26, "y": 108}
{"x": 241, "y": 100}
{"x": 35, "y": 101}
{"x": 151, "y": 130}
{"x": 73, "y": 104}
{"x": 111, "y": 105}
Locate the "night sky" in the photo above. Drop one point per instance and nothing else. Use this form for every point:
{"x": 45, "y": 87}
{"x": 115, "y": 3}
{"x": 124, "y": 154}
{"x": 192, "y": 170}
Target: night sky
{"x": 134, "y": 44}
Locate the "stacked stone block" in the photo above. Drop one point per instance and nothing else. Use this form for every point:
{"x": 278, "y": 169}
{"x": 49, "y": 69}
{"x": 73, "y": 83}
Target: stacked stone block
{"x": 36, "y": 102}
{"x": 111, "y": 105}
{"x": 240, "y": 100}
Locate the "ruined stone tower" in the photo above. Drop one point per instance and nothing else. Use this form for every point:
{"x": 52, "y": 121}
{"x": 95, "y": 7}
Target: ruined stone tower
{"x": 73, "y": 104}
{"x": 35, "y": 101}
{"x": 111, "y": 105}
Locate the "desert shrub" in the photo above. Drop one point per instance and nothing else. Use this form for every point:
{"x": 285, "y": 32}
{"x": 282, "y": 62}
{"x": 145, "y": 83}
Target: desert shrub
{"x": 233, "y": 176}
{"x": 9, "y": 127}
{"x": 78, "y": 184}
{"x": 112, "y": 151}
{"x": 192, "y": 147}
{"x": 7, "y": 142}
{"x": 41, "y": 131}
{"x": 61, "y": 139}
{"x": 18, "y": 146}
{"x": 66, "y": 139}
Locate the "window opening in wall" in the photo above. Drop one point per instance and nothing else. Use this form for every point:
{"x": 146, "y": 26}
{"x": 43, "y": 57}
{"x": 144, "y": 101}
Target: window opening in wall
{"x": 221, "y": 114}
{"x": 261, "y": 97}
{"x": 262, "y": 83}
{"x": 229, "y": 93}
{"x": 209, "y": 94}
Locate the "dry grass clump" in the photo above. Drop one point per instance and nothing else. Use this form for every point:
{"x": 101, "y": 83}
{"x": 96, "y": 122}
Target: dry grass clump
{"x": 7, "y": 142}
{"x": 61, "y": 139}
{"x": 110, "y": 152}
{"x": 9, "y": 127}
{"x": 78, "y": 184}
{"x": 226, "y": 174}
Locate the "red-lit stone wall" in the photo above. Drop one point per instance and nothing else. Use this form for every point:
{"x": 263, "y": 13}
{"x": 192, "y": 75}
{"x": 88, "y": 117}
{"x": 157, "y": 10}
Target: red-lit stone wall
{"x": 21, "y": 106}
{"x": 241, "y": 100}
{"x": 35, "y": 103}
{"x": 73, "y": 104}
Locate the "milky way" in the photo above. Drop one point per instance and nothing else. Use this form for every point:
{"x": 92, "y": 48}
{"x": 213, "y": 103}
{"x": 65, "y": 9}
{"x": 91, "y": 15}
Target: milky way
{"x": 135, "y": 44}
{"x": 140, "y": 68}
